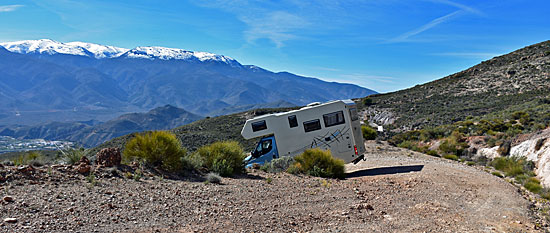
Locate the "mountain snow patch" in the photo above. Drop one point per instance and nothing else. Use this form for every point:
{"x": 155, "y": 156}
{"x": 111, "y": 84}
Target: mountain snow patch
{"x": 47, "y": 46}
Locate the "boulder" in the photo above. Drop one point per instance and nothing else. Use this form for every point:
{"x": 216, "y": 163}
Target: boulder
{"x": 83, "y": 165}
{"x": 108, "y": 157}
{"x": 83, "y": 168}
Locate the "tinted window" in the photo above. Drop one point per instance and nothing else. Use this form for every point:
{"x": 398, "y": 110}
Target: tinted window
{"x": 335, "y": 118}
{"x": 312, "y": 125}
{"x": 292, "y": 121}
{"x": 353, "y": 114}
{"x": 263, "y": 148}
{"x": 257, "y": 126}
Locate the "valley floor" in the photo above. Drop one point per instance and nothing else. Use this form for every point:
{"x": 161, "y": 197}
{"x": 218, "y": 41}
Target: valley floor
{"x": 394, "y": 190}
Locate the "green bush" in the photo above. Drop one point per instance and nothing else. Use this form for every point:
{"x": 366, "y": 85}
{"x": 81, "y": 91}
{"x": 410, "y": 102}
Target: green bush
{"x": 447, "y": 147}
{"x": 317, "y": 162}
{"x": 408, "y": 145}
{"x": 72, "y": 156}
{"x": 294, "y": 169}
{"x": 511, "y": 166}
{"x": 451, "y": 157}
{"x": 521, "y": 178}
{"x": 225, "y": 158}
{"x": 158, "y": 148}
{"x": 432, "y": 153}
{"x": 368, "y": 132}
{"x": 278, "y": 165}
{"x": 368, "y": 101}
{"x": 30, "y": 157}
{"x": 533, "y": 184}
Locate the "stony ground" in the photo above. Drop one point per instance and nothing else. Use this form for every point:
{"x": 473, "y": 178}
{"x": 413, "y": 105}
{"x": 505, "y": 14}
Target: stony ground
{"x": 394, "y": 190}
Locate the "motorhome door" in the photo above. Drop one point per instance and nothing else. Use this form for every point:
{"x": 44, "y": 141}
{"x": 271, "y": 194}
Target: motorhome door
{"x": 345, "y": 144}
{"x": 265, "y": 151}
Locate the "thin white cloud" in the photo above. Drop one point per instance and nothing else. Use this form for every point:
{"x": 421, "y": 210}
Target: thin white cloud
{"x": 264, "y": 20}
{"x": 378, "y": 83}
{"x": 431, "y": 24}
{"x": 8, "y": 8}
{"x": 282, "y": 21}
{"x": 357, "y": 77}
{"x": 461, "y": 10}
{"x": 276, "y": 26}
{"x": 459, "y": 6}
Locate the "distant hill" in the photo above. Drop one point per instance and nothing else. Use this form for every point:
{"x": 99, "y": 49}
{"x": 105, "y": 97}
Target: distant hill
{"x": 161, "y": 118}
{"x": 502, "y": 84}
{"x": 45, "y": 80}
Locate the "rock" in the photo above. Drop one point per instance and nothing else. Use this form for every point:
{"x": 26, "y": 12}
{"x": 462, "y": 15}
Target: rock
{"x": 83, "y": 166}
{"x": 10, "y": 220}
{"x": 108, "y": 157}
{"x": 8, "y": 198}
{"x": 8, "y": 163}
{"x": 84, "y": 160}
{"x": 25, "y": 169}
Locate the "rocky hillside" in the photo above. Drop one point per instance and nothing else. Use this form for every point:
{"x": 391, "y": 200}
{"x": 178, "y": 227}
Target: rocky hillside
{"x": 92, "y": 133}
{"x": 491, "y": 86}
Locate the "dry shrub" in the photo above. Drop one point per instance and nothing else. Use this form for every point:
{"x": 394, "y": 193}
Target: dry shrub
{"x": 317, "y": 162}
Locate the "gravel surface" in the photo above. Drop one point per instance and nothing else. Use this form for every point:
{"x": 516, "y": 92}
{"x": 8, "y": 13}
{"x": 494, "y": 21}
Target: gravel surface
{"x": 394, "y": 190}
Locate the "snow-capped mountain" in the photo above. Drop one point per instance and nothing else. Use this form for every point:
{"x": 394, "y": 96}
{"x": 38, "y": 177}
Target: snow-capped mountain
{"x": 47, "y": 46}
{"x": 171, "y": 53}
{"x": 99, "y": 51}
{"x": 44, "y": 46}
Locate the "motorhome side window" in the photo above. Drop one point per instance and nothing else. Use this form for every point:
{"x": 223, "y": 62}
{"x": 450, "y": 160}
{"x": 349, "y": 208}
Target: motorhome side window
{"x": 312, "y": 125}
{"x": 292, "y": 121}
{"x": 335, "y": 118}
{"x": 353, "y": 114}
{"x": 257, "y": 126}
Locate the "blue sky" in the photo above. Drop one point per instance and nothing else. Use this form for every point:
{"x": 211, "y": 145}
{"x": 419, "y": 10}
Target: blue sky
{"x": 384, "y": 45}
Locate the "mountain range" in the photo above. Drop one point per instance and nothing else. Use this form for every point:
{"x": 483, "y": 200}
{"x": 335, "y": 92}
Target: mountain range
{"x": 45, "y": 80}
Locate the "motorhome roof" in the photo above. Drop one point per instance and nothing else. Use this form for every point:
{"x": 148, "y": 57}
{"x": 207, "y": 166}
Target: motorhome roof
{"x": 347, "y": 102}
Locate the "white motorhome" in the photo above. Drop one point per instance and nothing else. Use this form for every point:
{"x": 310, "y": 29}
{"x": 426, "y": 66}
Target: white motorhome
{"x": 330, "y": 126}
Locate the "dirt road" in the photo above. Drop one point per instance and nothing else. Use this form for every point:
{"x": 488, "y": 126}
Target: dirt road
{"x": 424, "y": 193}
{"x": 394, "y": 190}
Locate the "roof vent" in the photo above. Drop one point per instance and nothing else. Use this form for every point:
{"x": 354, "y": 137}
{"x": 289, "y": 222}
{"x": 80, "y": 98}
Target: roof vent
{"x": 313, "y": 104}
